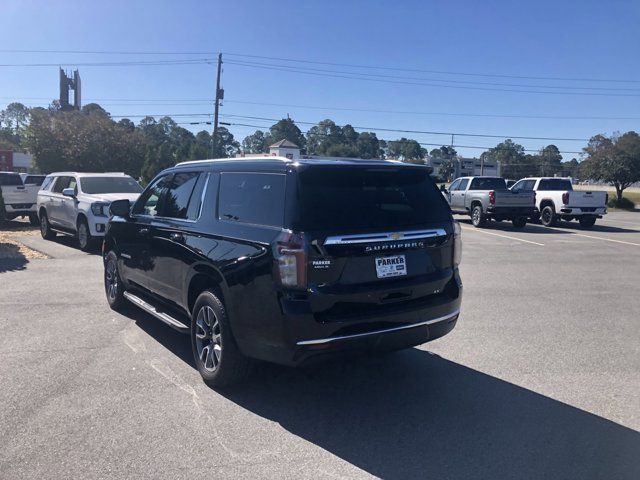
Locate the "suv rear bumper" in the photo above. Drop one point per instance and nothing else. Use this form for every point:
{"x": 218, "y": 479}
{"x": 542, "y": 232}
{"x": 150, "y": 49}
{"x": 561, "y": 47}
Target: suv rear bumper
{"x": 304, "y": 339}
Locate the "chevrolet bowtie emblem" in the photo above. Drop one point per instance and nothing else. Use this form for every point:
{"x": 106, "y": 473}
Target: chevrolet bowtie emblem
{"x": 396, "y": 236}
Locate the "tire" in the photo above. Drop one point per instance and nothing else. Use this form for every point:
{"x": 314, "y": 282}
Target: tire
{"x": 215, "y": 352}
{"x": 113, "y": 287}
{"x": 587, "y": 221}
{"x": 34, "y": 220}
{"x": 548, "y": 216}
{"x": 45, "y": 227}
{"x": 519, "y": 222}
{"x": 85, "y": 240}
{"x": 478, "y": 218}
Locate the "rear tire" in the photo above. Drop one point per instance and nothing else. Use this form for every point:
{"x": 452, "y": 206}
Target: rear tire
{"x": 587, "y": 222}
{"x": 548, "y": 216}
{"x": 45, "y": 228}
{"x": 215, "y": 352}
{"x": 113, "y": 287}
{"x": 478, "y": 218}
{"x": 34, "y": 220}
{"x": 85, "y": 240}
{"x": 519, "y": 222}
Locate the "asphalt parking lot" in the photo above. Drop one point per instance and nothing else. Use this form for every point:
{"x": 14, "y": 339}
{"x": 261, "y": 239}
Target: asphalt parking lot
{"x": 540, "y": 378}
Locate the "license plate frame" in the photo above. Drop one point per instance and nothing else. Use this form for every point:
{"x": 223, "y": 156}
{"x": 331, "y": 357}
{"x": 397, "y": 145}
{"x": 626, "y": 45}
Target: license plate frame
{"x": 391, "y": 266}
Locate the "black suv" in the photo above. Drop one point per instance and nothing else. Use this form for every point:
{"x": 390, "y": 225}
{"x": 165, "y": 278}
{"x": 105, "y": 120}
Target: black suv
{"x": 287, "y": 260}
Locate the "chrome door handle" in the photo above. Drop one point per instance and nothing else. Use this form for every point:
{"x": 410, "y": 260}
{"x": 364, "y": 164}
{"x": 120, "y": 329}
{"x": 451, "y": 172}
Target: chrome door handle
{"x": 143, "y": 232}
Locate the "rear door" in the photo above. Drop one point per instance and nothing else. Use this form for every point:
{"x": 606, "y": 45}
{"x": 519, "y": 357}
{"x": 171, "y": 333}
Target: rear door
{"x": 56, "y": 201}
{"x": 458, "y": 196}
{"x": 375, "y": 235}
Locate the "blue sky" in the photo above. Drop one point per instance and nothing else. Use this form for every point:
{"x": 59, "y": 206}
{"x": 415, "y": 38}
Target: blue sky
{"x": 551, "y": 40}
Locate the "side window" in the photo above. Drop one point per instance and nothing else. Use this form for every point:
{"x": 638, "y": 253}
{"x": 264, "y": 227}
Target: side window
{"x": 195, "y": 204}
{"x": 519, "y": 186}
{"x": 73, "y": 183}
{"x": 179, "y": 194}
{"x": 47, "y": 183}
{"x": 149, "y": 201}
{"x": 463, "y": 184}
{"x": 256, "y": 198}
{"x": 61, "y": 184}
{"x": 528, "y": 185}
{"x": 544, "y": 185}
{"x": 454, "y": 186}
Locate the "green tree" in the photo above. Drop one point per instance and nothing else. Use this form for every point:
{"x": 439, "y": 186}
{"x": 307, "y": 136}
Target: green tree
{"x": 286, "y": 129}
{"x": 514, "y": 163}
{"x": 226, "y": 145}
{"x": 406, "y": 150}
{"x": 615, "y": 160}
{"x": 549, "y": 161}
{"x": 368, "y": 145}
{"x": 13, "y": 121}
{"x": 201, "y": 148}
{"x": 446, "y": 170}
{"x": 257, "y": 142}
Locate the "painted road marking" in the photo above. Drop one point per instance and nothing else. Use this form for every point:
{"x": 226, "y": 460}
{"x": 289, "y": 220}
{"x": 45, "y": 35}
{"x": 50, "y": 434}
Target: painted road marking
{"x": 591, "y": 236}
{"x": 503, "y": 236}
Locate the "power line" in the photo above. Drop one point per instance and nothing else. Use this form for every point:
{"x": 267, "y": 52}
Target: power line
{"x": 203, "y": 61}
{"x": 351, "y": 76}
{"x": 315, "y": 62}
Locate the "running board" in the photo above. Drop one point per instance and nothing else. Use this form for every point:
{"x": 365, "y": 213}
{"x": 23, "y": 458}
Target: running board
{"x": 147, "y": 307}
{"x": 63, "y": 232}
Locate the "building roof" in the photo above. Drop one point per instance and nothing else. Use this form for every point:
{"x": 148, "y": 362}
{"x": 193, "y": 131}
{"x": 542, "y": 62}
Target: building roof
{"x": 284, "y": 143}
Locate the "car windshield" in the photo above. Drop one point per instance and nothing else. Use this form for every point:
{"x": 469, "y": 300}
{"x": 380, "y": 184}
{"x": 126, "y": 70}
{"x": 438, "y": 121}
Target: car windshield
{"x": 488, "y": 184}
{"x": 346, "y": 198}
{"x": 97, "y": 185}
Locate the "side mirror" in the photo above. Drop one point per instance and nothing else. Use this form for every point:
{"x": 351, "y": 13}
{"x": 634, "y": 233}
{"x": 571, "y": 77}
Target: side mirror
{"x": 120, "y": 208}
{"x": 69, "y": 192}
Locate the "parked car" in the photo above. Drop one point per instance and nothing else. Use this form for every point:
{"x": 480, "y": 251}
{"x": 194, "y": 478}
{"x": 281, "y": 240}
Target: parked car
{"x": 556, "y": 199}
{"x": 19, "y": 199}
{"x": 287, "y": 261}
{"x": 77, "y": 204}
{"x": 484, "y": 198}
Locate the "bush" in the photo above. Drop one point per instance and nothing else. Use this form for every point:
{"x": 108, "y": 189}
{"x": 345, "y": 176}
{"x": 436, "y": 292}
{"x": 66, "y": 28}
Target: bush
{"x": 625, "y": 203}
{"x": 3, "y": 212}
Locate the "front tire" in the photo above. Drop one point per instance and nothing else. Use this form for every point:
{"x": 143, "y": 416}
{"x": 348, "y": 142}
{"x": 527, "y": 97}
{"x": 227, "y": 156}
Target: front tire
{"x": 548, "y": 216}
{"x": 587, "y": 222}
{"x": 33, "y": 219}
{"x": 45, "y": 227}
{"x": 215, "y": 351}
{"x": 85, "y": 240}
{"x": 113, "y": 287}
{"x": 519, "y": 222}
{"x": 478, "y": 218}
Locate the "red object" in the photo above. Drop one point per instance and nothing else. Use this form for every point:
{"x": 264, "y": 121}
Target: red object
{"x": 565, "y": 198}
{"x": 6, "y": 160}
{"x": 492, "y": 197}
{"x": 291, "y": 257}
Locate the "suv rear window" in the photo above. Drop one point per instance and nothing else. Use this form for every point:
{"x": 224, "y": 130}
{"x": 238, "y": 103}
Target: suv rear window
{"x": 346, "y": 198}
{"x": 488, "y": 184}
{"x": 10, "y": 179}
{"x": 34, "y": 179}
{"x": 98, "y": 185}
{"x": 555, "y": 184}
{"x": 256, "y": 198}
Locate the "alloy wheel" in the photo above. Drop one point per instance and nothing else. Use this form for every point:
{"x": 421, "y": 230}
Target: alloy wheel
{"x": 111, "y": 280}
{"x": 83, "y": 235}
{"x": 43, "y": 225}
{"x": 208, "y": 338}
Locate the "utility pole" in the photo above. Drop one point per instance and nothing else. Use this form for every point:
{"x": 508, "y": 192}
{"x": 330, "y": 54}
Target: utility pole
{"x": 219, "y": 96}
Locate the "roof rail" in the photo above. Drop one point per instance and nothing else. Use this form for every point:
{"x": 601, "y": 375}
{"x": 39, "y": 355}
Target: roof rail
{"x": 233, "y": 159}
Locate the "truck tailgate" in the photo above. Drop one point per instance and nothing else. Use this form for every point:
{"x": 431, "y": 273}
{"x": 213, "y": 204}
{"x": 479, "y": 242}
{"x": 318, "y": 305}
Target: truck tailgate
{"x": 13, "y": 195}
{"x": 587, "y": 199}
{"x": 507, "y": 198}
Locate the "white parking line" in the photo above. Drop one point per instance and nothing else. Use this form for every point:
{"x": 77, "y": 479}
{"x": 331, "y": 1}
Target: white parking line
{"x": 608, "y": 220}
{"x": 503, "y": 236}
{"x": 591, "y": 236}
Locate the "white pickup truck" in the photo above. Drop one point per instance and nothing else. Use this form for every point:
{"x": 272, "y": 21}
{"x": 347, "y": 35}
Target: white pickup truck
{"x": 19, "y": 199}
{"x": 556, "y": 199}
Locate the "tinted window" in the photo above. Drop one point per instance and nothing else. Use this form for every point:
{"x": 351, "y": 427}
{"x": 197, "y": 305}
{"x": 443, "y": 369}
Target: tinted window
{"x": 195, "y": 204}
{"x": 555, "y": 184}
{"x": 148, "y": 202}
{"x": 387, "y": 198}
{"x": 97, "y": 185}
{"x": 454, "y": 186}
{"x": 10, "y": 179}
{"x": 47, "y": 183}
{"x": 488, "y": 184}
{"x": 177, "y": 199}
{"x": 64, "y": 182}
{"x": 252, "y": 198}
{"x": 34, "y": 179}
{"x": 463, "y": 184}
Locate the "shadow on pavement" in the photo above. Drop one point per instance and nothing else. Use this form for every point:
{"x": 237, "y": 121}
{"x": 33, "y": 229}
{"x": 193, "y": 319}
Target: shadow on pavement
{"x": 507, "y": 227}
{"x": 71, "y": 242}
{"x": 413, "y": 414}
{"x": 11, "y": 259}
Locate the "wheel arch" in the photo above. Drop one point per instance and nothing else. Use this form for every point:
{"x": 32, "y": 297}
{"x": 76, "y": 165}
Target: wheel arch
{"x": 201, "y": 278}
{"x": 547, "y": 202}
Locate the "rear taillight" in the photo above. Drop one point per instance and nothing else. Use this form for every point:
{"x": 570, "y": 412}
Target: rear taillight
{"x": 457, "y": 244}
{"x": 290, "y": 256}
{"x": 565, "y": 198}
{"x": 492, "y": 197}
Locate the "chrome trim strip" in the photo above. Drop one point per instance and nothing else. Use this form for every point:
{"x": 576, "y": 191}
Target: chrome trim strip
{"x": 168, "y": 319}
{"x": 384, "y": 237}
{"x": 378, "y": 332}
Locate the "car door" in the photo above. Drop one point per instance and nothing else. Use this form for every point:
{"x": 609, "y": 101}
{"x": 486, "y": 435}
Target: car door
{"x": 137, "y": 262}
{"x": 450, "y": 195}
{"x": 174, "y": 236}
{"x": 457, "y": 198}
{"x": 69, "y": 206}
{"x": 54, "y": 202}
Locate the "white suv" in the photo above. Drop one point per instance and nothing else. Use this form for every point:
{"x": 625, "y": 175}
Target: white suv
{"x": 77, "y": 204}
